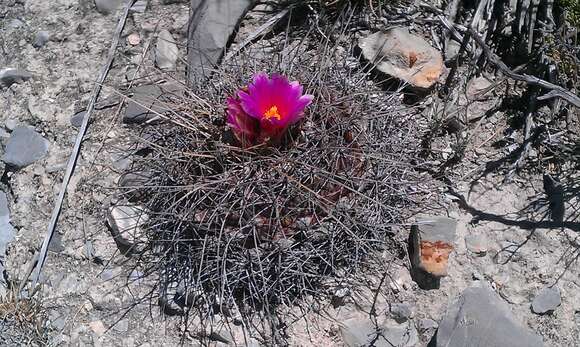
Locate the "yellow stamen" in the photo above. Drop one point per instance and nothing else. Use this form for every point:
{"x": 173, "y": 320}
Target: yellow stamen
{"x": 272, "y": 113}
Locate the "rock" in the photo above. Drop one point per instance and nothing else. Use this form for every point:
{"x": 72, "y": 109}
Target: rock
{"x": 77, "y": 119}
{"x": 9, "y": 76}
{"x": 426, "y": 324}
{"x": 148, "y": 101}
{"x": 125, "y": 223}
{"x": 11, "y": 124}
{"x": 134, "y": 39}
{"x": 140, "y": 6}
{"x": 401, "y": 312}
{"x": 210, "y": 33}
{"x": 400, "y": 335}
{"x": 431, "y": 243}
{"x": 55, "y": 244}
{"x": 166, "y": 51}
{"x": 339, "y": 297}
{"x": 452, "y": 50}
{"x": 107, "y": 6}
{"x": 358, "y": 332}
{"x": 106, "y": 275}
{"x": 14, "y": 24}
{"x": 481, "y": 318}
{"x": 478, "y": 89}
{"x": 476, "y": 243}
{"x": 122, "y": 326}
{"x": 404, "y": 56}
{"x": 41, "y": 39}
{"x": 25, "y": 146}
{"x": 98, "y": 327}
{"x": 547, "y": 300}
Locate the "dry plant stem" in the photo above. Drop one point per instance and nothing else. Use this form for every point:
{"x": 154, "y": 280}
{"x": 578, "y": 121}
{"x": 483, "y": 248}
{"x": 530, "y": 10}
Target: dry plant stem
{"x": 555, "y": 90}
{"x": 76, "y": 150}
{"x": 529, "y": 122}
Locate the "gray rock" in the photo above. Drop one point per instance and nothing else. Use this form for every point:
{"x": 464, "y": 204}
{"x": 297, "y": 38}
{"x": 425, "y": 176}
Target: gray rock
{"x": 55, "y": 244}
{"x": 41, "y": 39}
{"x": 401, "y": 312}
{"x": 125, "y": 223}
{"x": 476, "y": 243}
{"x": 400, "y": 335}
{"x": 106, "y": 275}
{"x": 166, "y": 51}
{"x": 404, "y": 56}
{"x": 210, "y": 32}
{"x": 9, "y": 76}
{"x": 77, "y": 119}
{"x": 547, "y": 300}
{"x": 140, "y": 6}
{"x": 426, "y": 324}
{"x": 122, "y": 326}
{"x": 107, "y": 6}
{"x": 148, "y": 102}
{"x": 11, "y": 124}
{"x": 14, "y": 24}
{"x": 432, "y": 240}
{"x": 358, "y": 332}
{"x": 481, "y": 318}
{"x": 25, "y": 146}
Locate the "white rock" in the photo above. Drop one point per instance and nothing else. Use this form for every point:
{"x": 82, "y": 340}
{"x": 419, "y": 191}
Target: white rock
{"x": 166, "y": 51}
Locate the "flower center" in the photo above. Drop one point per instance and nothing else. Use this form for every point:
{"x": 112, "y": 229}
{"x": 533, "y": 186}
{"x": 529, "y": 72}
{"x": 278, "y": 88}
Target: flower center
{"x": 273, "y": 113}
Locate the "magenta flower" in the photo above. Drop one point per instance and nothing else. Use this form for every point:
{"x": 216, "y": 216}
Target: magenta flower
{"x": 266, "y": 108}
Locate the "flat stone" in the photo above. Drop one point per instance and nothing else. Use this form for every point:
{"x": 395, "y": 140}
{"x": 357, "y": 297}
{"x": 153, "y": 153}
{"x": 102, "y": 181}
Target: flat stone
{"x": 401, "y": 312}
{"x": 55, "y": 244}
{"x": 25, "y": 146}
{"x": 481, "y": 318}
{"x": 98, "y": 327}
{"x": 140, "y": 6}
{"x": 431, "y": 241}
{"x": 122, "y": 326}
{"x": 478, "y": 89}
{"x": 476, "y": 243}
{"x": 401, "y": 335}
{"x": 77, "y": 119}
{"x": 166, "y": 51}
{"x": 547, "y": 300}
{"x": 404, "y": 56}
{"x": 148, "y": 101}
{"x": 125, "y": 223}
{"x": 358, "y": 332}
{"x": 107, "y": 6}
{"x": 209, "y": 33}
{"x": 41, "y": 39}
{"x": 9, "y": 76}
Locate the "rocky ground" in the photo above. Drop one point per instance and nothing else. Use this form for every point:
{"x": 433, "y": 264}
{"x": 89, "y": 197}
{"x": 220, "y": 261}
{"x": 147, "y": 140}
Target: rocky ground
{"x": 499, "y": 269}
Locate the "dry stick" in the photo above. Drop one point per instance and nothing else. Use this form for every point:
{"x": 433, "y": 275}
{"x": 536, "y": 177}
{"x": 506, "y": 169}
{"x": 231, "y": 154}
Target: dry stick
{"x": 76, "y": 150}
{"x": 555, "y": 90}
{"x": 264, "y": 28}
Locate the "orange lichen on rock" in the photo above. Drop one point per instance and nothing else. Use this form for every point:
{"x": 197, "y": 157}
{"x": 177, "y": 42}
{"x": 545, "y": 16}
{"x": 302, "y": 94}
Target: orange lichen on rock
{"x": 434, "y": 257}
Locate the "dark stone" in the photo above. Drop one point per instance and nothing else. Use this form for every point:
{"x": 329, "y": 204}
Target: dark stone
{"x": 481, "y": 318}
{"x": 401, "y": 312}
{"x": 555, "y": 194}
{"x": 41, "y": 39}
{"x": 148, "y": 102}
{"x": 430, "y": 244}
{"x": 358, "y": 332}
{"x": 25, "y": 146}
{"x": 210, "y": 29}
{"x": 547, "y": 300}
{"x": 55, "y": 244}
{"x": 77, "y": 119}
{"x": 10, "y": 76}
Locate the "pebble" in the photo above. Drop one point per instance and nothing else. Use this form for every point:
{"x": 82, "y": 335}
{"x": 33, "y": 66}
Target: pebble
{"x": 77, "y": 119}
{"x": 401, "y": 312}
{"x": 134, "y": 39}
{"x": 481, "y": 318}
{"x": 11, "y": 124}
{"x": 547, "y": 300}
{"x": 9, "y": 76}
{"x": 107, "y": 6}
{"x": 25, "y": 146}
{"x": 98, "y": 327}
{"x": 166, "y": 51}
{"x": 124, "y": 222}
{"x": 476, "y": 243}
{"x": 41, "y": 39}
